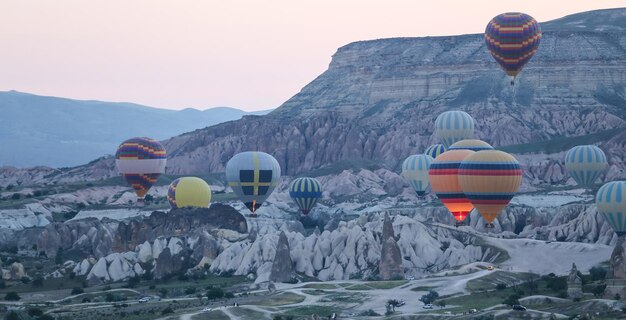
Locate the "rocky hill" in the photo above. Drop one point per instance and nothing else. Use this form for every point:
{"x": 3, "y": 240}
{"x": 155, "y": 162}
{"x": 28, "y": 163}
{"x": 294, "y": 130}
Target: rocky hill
{"x": 378, "y": 100}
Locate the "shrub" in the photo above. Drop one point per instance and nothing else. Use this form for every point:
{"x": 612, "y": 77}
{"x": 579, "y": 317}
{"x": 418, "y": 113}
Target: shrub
{"x": 86, "y": 300}
{"x": 16, "y": 196}
{"x": 430, "y": 297}
{"x": 229, "y": 295}
{"x": 167, "y": 310}
{"x": 501, "y": 286}
{"x": 46, "y": 317}
{"x": 190, "y": 290}
{"x": 12, "y": 316}
{"x": 215, "y": 293}
{"x": 12, "y": 296}
{"x": 38, "y": 282}
{"x": 597, "y": 273}
{"x": 511, "y": 300}
{"x": 163, "y": 292}
{"x": 77, "y": 290}
{"x": 35, "y": 312}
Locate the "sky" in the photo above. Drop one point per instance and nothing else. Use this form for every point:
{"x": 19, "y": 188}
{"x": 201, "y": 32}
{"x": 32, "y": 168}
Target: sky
{"x": 253, "y": 54}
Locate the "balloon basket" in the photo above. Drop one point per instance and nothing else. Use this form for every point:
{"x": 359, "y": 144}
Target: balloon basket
{"x": 489, "y": 225}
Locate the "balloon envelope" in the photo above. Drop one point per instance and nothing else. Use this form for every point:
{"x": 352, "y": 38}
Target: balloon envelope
{"x": 415, "y": 172}
{"x": 435, "y": 150}
{"x": 452, "y": 126}
{"x": 512, "y": 39}
{"x": 490, "y": 179}
{"x": 141, "y": 161}
{"x": 443, "y": 176}
{"x": 471, "y": 144}
{"x": 252, "y": 175}
{"x": 189, "y": 192}
{"x": 585, "y": 164}
{"x": 611, "y": 202}
{"x": 305, "y": 192}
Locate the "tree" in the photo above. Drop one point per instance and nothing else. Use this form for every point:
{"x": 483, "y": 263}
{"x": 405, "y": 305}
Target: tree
{"x": 12, "y": 296}
{"x": 598, "y": 290}
{"x": 430, "y": 297}
{"x": 167, "y": 310}
{"x": 511, "y": 300}
{"x": 532, "y": 284}
{"x": 35, "y": 312}
{"x": 38, "y": 282}
{"x": 46, "y": 317}
{"x": 190, "y": 290}
{"x": 597, "y": 273}
{"x": 393, "y": 303}
{"x": 148, "y": 198}
{"x": 133, "y": 281}
{"x": 163, "y": 292}
{"x": 12, "y": 316}
{"x": 77, "y": 290}
{"x": 441, "y": 304}
{"x": 501, "y": 286}
{"x": 215, "y": 293}
{"x": 58, "y": 259}
{"x": 16, "y": 196}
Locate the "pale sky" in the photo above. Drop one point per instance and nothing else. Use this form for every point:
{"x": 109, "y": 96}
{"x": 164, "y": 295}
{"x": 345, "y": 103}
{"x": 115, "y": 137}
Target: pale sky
{"x": 248, "y": 54}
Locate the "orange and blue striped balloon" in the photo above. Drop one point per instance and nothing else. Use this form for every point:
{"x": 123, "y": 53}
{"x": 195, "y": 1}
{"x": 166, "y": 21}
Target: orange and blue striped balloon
{"x": 490, "y": 179}
{"x": 512, "y": 39}
{"x": 443, "y": 176}
{"x": 471, "y": 144}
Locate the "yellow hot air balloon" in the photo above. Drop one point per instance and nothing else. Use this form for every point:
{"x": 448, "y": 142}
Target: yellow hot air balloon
{"x": 489, "y": 179}
{"x": 189, "y": 192}
{"x": 443, "y": 176}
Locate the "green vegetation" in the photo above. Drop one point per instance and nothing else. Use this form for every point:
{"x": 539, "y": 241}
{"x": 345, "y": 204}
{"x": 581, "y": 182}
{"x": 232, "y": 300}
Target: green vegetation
{"x": 322, "y": 286}
{"x": 281, "y": 299}
{"x": 371, "y": 285}
{"x": 422, "y": 288}
{"x": 491, "y": 281}
{"x": 213, "y": 315}
{"x": 307, "y": 311}
{"x": 246, "y": 314}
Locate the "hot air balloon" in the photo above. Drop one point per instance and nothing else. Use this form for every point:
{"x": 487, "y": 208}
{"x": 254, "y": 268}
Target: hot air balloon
{"x": 189, "y": 192}
{"x": 471, "y": 144}
{"x": 305, "y": 192}
{"x": 611, "y": 202}
{"x": 452, "y": 126}
{"x": 512, "y": 39}
{"x": 489, "y": 180}
{"x": 443, "y": 176}
{"x": 585, "y": 164}
{"x": 435, "y": 150}
{"x": 141, "y": 161}
{"x": 415, "y": 171}
{"x": 252, "y": 175}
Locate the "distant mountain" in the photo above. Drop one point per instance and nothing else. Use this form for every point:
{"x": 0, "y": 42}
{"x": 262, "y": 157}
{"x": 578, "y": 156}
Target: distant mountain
{"x": 57, "y": 132}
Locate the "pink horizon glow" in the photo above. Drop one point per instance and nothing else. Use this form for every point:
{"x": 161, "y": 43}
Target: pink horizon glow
{"x": 248, "y": 54}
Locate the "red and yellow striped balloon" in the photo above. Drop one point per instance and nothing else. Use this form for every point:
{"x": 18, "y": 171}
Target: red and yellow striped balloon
{"x": 490, "y": 179}
{"x": 445, "y": 184}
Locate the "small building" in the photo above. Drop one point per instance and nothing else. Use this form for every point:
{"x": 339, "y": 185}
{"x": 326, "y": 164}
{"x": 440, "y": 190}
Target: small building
{"x": 574, "y": 283}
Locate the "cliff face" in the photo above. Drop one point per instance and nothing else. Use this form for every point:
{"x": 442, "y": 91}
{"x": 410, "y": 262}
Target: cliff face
{"x": 378, "y": 101}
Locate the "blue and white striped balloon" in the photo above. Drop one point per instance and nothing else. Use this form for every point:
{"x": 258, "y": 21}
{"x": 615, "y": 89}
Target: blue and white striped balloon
{"x": 305, "y": 192}
{"x": 453, "y": 126}
{"x": 585, "y": 164}
{"x": 415, "y": 171}
{"x": 611, "y": 202}
{"x": 435, "y": 150}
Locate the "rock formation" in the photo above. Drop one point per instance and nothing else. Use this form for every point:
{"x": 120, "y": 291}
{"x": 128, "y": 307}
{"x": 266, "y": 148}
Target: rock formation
{"x": 618, "y": 259}
{"x": 282, "y": 266}
{"x": 390, "y": 266}
{"x": 574, "y": 283}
